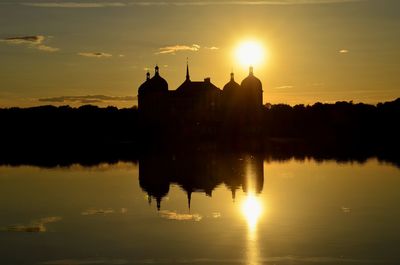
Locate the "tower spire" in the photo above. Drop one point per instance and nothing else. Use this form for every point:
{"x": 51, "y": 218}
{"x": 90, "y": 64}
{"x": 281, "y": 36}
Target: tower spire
{"x": 233, "y": 190}
{"x": 189, "y": 198}
{"x": 187, "y": 69}
{"x": 251, "y": 70}
{"x": 158, "y": 199}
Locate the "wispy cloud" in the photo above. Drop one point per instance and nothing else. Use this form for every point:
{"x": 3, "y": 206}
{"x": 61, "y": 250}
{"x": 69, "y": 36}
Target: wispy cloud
{"x": 34, "y": 227}
{"x": 86, "y": 261}
{"x": 256, "y": 2}
{"x": 99, "y": 211}
{"x": 95, "y": 54}
{"x": 89, "y": 4}
{"x": 284, "y": 87}
{"x": 213, "y": 48}
{"x": 87, "y": 99}
{"x": 216, "y": 215}
{"x": 34, "y": 41}
{"x": 178, "y": 48}
{"x": 264, "y": 260}
{"x": 346, "y": 209}
{"x": 172, "y": 215}
{"x": 46, "y": 48}
{"x": 75, "y": 4}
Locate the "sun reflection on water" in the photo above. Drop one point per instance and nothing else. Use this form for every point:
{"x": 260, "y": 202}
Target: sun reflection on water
{"x": 252, "y": 210}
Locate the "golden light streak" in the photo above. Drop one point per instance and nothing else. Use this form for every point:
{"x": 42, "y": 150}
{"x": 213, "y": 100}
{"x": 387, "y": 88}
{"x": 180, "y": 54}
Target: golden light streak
{"x": 252, "y": 210}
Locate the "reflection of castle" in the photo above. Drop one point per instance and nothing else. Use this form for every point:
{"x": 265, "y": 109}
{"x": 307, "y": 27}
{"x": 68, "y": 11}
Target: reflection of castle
{"x": 200, "y": 105}
{"x": 199, "y": 172}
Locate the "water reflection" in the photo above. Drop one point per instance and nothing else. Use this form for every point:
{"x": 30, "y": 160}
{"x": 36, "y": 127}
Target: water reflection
{"x": 298, "y": 219}
{"x": 199, "y": 172}
{"x": 252, "y": 244}
{"x": 202, "y": 172}
{"x": 252, "y": 209}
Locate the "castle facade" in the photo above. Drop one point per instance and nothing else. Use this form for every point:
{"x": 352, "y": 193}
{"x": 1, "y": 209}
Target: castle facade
{"x": 200, "y": 106}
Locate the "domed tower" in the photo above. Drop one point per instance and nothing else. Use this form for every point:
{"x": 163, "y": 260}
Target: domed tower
{"x": 231, "y": 87}
{"x": 231, "y": 99}
{"x": 252, "y": 91}
{"x": 152, "y": 95}
{"x": 250, "y": 106}
{"x": 155, "y": 180}
{"x": 144, "y": 87}
{"x": 231, "y": 90}
{"x": 157, "y": 83}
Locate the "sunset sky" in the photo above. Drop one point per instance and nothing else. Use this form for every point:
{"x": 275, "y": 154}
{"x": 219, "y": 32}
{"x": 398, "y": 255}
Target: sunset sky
{"x": 77, "y": 52}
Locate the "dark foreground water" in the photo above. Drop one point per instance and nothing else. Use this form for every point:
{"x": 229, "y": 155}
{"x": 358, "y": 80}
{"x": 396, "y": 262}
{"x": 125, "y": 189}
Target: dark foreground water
{"x": 243, "y": 210}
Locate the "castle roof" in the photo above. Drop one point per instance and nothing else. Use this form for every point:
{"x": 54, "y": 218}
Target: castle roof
{"x": 154, "y": 84}
{"x": 231, "y": 85}
{"x": 251, "y": 81}
{"x": 195, "y": 87}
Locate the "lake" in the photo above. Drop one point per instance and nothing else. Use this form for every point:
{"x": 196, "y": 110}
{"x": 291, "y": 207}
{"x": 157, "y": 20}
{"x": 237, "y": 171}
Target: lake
{"x": 201, "y": 209}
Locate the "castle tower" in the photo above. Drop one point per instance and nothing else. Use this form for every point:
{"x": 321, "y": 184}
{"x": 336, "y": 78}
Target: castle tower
{"x": 250, "y": 104}
{"x": 252, "y": 90}
{"x": 152, "y": 96}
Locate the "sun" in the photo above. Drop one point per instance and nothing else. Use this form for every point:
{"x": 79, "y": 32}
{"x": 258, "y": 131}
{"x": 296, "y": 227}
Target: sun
{"x": 250, "y": 53}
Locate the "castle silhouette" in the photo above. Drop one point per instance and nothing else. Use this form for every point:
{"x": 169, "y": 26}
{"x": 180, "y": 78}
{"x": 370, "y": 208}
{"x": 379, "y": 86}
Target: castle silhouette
{"x": 200, "y": 106}
{"x": 199, "y": 172}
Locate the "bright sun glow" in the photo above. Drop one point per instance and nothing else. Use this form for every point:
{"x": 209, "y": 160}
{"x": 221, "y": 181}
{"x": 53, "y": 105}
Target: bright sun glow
{"x": 252, "y": 210}
{"x": 250, "y": 53}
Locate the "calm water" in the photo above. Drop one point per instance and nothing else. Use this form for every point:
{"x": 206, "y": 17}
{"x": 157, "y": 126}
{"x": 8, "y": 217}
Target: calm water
{"x": 243, "y": 210}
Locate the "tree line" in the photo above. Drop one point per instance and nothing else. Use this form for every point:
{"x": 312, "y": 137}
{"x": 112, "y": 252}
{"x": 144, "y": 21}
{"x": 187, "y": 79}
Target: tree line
{"x": 340, "y": 121}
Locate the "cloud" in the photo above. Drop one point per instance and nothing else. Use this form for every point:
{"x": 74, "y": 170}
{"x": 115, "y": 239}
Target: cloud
{"x": 346, "y": 209}
{"x": 213, "y": 48}
{"x": 75, "y": 4}
{"x": 181, "y": 3}
{"x": 181, "y": 47}
{"x": 178, "y": 48}
{"x": 172, "y": 215}
{"x": 344, "y": 51}
{"x": 216, "y": 214}
{"x": 95, "y": 54}
{"x": 93, "y": 211}
{"x": 34, "y": 41}
{"x": 284, "y": 87}
{"x": 250, "y": 3}
{"x": 85, "y": 261}
{"x": 87, "y": 99}
{"x": 47, "y": 48}
{"x": 34, "y": 227}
